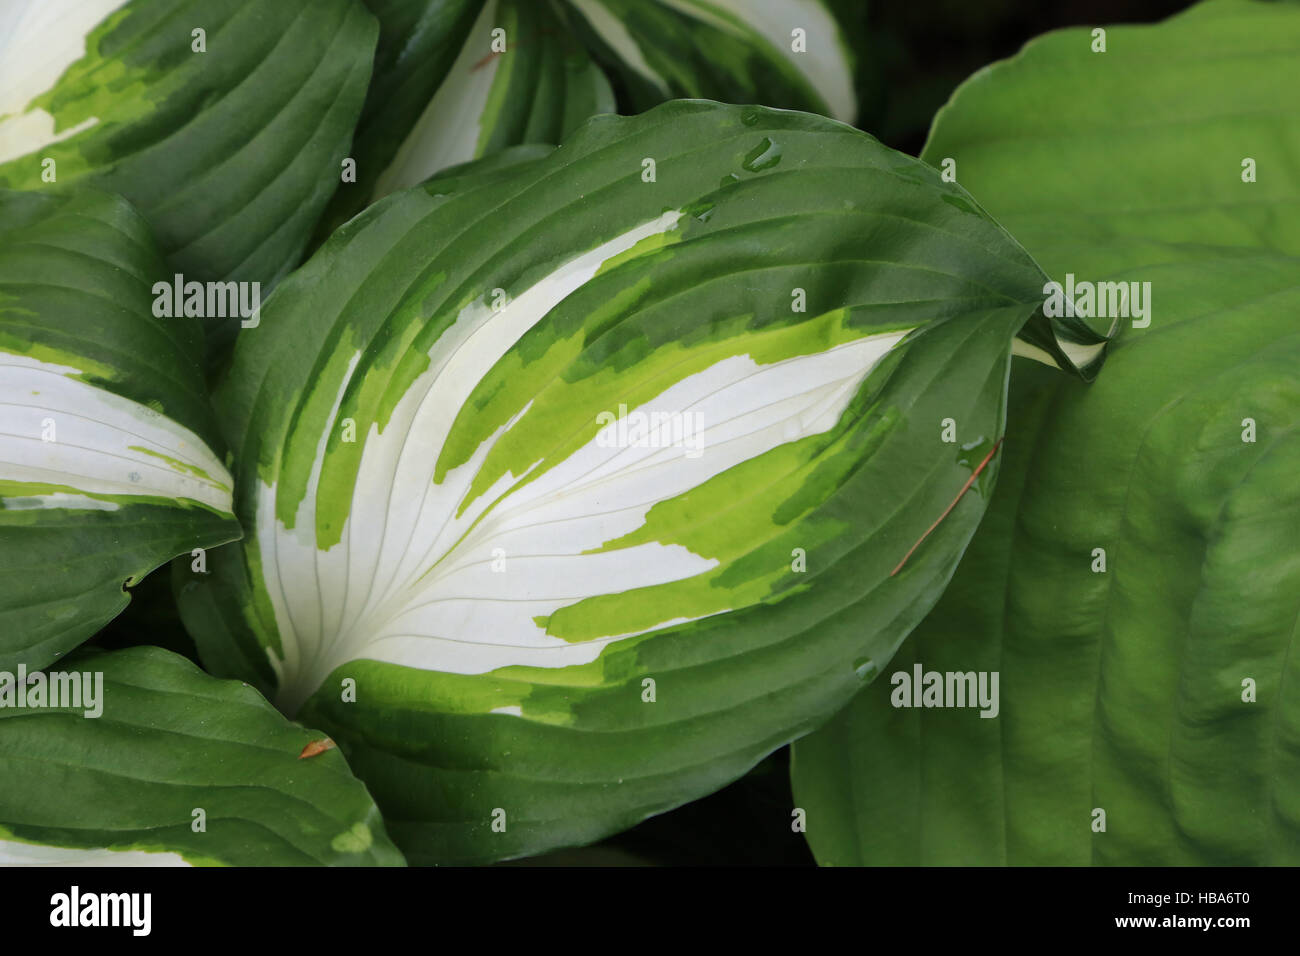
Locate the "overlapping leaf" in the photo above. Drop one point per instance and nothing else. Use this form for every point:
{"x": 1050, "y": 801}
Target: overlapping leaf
{"x": 1135, "y": 582}
{"x": 586, "y": 490}
{"x": 138, "y": 758}
{"x": 457, "y": 80}
{"x": 782, "y": 53}
{"x": 106, "y": 435}
{"x": 231, "y": 151}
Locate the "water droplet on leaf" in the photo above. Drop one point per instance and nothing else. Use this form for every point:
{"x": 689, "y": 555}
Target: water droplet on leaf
{"x": 763, "y": 156}
{"x": 865, "y": 668}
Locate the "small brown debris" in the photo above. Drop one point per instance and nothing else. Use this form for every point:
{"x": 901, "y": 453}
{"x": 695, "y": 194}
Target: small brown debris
{"x": 316, "y": 747}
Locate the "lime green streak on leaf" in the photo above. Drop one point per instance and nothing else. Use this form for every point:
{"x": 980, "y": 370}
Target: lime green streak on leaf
{"x": 355, "y": 840}
{"x": 539, "y": 356}
{"x": 33, "y": 489}
{"x": 106, "y": 88}
{"x": 373, "y": 393}
{"x": 179, "y": 465}
{"x": 563, "y": 415}
{"x": 89, "y": 371}
{"x": 654, "y": 242}
{"x": 746, "y": 522}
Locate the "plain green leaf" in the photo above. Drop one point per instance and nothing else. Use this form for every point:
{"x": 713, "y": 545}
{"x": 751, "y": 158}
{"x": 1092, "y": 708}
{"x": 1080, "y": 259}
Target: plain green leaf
{"x": 1120, "y": 690}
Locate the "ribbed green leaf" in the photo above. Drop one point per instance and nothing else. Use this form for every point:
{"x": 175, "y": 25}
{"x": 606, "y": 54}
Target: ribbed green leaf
{"x": 231, "y": 153}
{"x": 154, "y": 763}
{"x": 106, "y": 435}
{"x": 465, "y": 568}
{"x": 1128, "y": 157}
{"x": 1126, "y": 690}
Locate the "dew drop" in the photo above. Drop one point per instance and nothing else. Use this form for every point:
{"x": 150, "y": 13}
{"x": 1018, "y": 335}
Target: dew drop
{"x": 865, "y": 668}
{"x": 763, "y": 156}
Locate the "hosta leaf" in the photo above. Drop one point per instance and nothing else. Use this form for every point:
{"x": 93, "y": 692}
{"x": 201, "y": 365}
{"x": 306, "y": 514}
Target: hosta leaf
{"x": 465, "y": 569}
{"x": 147, "y": 761}
{"x": 1141, "y": 157}
{"x": 457, "y": 80}
{"x": 786, "y": 53}
{"x": 230, "y": 153}
{"x": 1121, "y": 690}
{"x": 106, "y": 469}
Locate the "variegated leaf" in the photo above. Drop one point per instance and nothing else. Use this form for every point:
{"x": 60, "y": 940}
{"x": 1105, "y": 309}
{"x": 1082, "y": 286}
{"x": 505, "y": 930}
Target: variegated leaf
{"x": 458, "y": 80}
{"x": 106, "y": 435}
{"x": 224, "y": 121}
{"x": 138, "y": 758}
{"x": 575, "y": 484}
{"x": 785, "y": 53}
